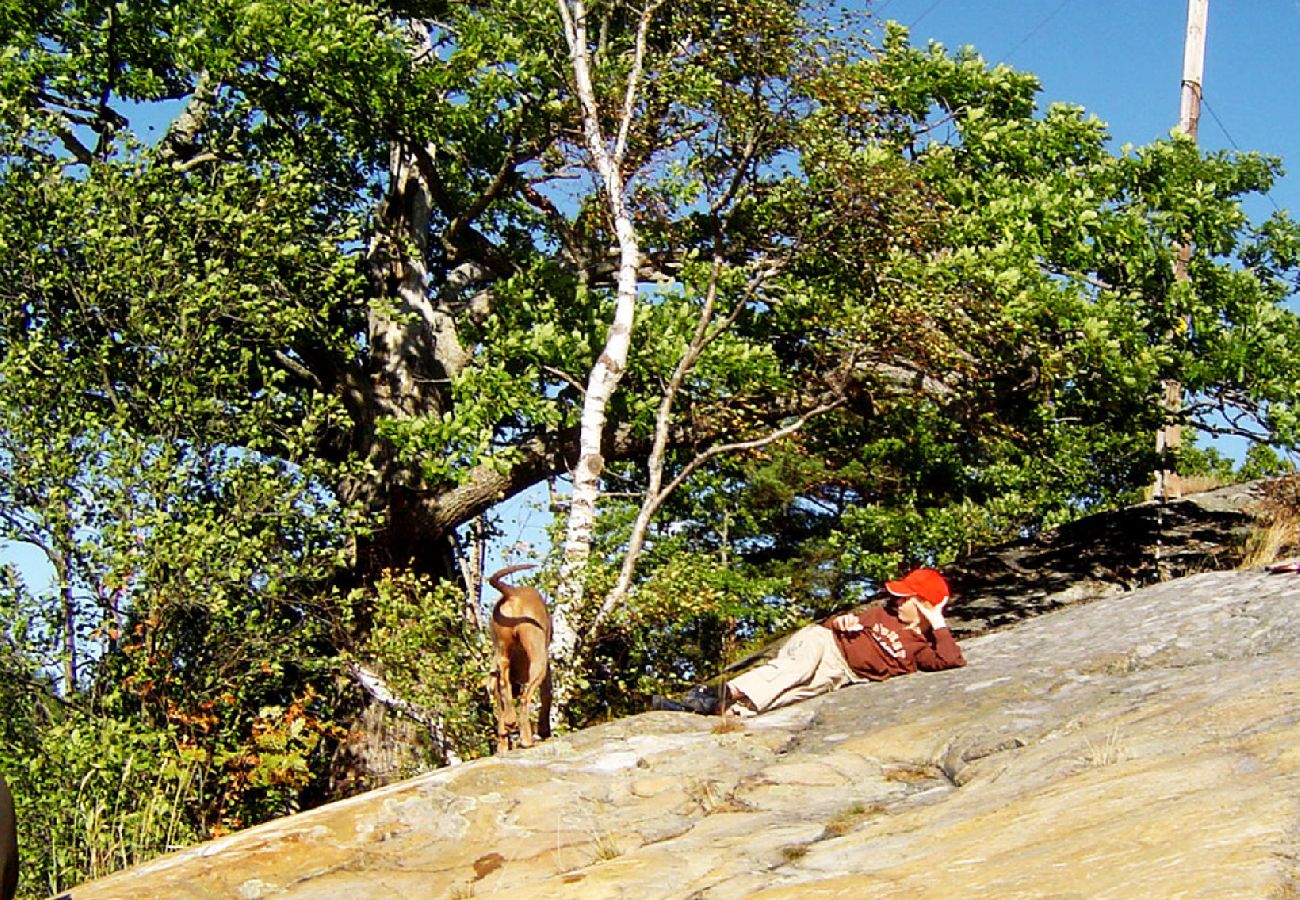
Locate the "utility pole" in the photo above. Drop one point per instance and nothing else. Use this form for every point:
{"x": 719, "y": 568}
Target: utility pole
{"x": 1170, "y": 436}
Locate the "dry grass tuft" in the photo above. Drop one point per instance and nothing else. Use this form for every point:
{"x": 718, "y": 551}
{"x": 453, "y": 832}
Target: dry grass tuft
{"x": 794, "y": 852}
{"x": 1278, "y": 534}
{"x": 711, "y": 798}
{"x": 910, "y": 773}
{"x": 728, "y": 725}
{"x": 605, "y": 847}
{"x": 1269, "y": 543}
{"x": 1189, "y": 484}
{"x": 1199, "y": 484}
{"x": 850, "y": 819}
{"x": 1108, "y": 752}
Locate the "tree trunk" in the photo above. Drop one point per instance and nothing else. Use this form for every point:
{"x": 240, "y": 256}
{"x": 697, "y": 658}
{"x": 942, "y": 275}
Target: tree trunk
{"x": 414, "y": 354}
{"x": 608, "y": 370}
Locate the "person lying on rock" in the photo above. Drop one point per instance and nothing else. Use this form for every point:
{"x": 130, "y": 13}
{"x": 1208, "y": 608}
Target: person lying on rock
{"x": 904, "y": 634}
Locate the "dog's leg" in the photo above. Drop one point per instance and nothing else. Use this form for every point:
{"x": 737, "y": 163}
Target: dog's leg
{"x": 505, "y": 704}
{"x": 526, "y": 738}
{"x": 544, "y": 706}
{"x": 494, "y": 696}
{"x": 535, "y": 645}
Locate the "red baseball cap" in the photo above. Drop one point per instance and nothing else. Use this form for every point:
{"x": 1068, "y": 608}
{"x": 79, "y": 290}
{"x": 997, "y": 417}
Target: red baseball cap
{"x": 924, "y": 583}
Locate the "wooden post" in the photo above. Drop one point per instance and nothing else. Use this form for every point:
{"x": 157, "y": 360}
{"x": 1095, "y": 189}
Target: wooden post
{"x": 1170, "y": 436}
{"x": 1189, "y": 109}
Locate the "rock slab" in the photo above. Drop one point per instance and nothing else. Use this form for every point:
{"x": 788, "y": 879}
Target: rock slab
{"x": 1141, "y": 745}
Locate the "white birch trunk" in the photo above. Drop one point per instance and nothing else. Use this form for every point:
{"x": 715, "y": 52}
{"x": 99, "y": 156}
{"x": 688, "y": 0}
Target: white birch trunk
{"x": 608, "y": 370}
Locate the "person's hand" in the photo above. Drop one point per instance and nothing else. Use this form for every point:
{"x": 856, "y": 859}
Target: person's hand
{"x": 933, "y": 613}
{"x": 847, "y": 622}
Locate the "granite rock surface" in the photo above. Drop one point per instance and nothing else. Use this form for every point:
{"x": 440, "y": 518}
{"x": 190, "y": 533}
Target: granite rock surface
{"x": 1144, "y": 744}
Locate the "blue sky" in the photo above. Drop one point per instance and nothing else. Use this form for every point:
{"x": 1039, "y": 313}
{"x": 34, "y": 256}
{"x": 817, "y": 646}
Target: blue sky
{"x": 1122, "y": 60}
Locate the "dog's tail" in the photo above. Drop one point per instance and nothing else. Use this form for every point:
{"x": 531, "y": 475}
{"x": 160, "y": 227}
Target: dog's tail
{"x": 497, "y": 580}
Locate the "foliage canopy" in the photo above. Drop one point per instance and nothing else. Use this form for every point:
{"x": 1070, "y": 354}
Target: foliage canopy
{"x": 263, "y": 365}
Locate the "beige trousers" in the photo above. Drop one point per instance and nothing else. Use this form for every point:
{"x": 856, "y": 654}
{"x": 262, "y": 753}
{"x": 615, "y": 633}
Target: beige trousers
{"x": 809, "y": 663}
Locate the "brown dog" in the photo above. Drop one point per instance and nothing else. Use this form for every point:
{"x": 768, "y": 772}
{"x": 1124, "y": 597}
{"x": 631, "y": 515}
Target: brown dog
{"x": 521, "y": 631}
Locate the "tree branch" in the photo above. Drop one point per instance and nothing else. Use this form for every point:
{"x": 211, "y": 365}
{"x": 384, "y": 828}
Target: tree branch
{"x": 653, "y": 503}
{"x": 374, "y": 685}
{"x": 633, "y": 80}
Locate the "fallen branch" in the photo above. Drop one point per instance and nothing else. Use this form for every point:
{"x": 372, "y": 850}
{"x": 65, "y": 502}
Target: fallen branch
{"x": 373, "y": 684}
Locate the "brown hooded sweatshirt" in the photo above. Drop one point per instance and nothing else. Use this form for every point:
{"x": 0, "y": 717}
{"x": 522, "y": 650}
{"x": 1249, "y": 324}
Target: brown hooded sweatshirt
{"x": 885, "y": 647}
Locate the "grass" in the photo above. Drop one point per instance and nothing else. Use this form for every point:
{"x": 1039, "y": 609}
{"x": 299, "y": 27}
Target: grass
{"x": 728, "y": 725}
{"x": 794, "y": 852}
{"x": 850, "y": 819}
{"x": 839, "y": 826}
{"x": 710, "y": 798}
{"x": 605, "y": 847}
{"x": 909, "y": 773}
{"x": 1278, "y": 532}
{"x": 1270, "y": 542}
{"x": 109, "y": 827}
{"x": 1108, "y": 752}
{"x": 1189, "y": 484}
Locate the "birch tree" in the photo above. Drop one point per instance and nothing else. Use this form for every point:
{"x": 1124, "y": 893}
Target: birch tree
{"x": 608, "y": 160}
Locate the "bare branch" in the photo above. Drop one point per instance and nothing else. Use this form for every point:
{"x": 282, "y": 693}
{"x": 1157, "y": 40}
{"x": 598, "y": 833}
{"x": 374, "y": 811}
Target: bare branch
{"x": 568, "y": 237}
{"x": 494, "y": 188}
{"x": 195, "y": 162}
{"x": 79, "y": 151}
{"x": 777, "y": 435}
{"x": 654, "y": 502}
{"x": 910, "y": 380}
{"x": 1083, "y": 277}
{"x": 296, "y": 368}
{"x": 373, "y": 684}
{"x": 566, "y": 378}
{"x": 181, "y": 141}
{"x": 633, "y": 82}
